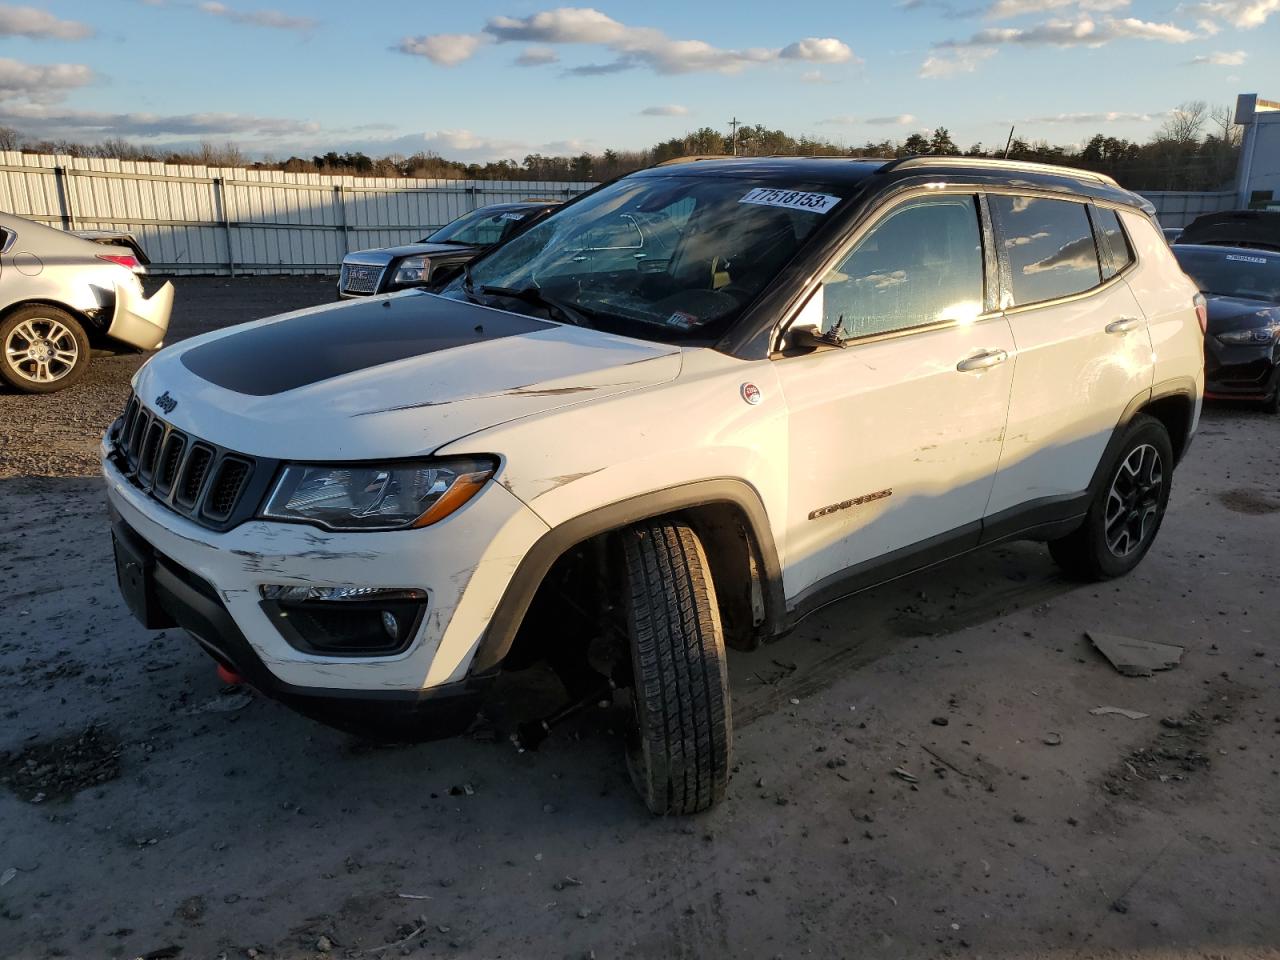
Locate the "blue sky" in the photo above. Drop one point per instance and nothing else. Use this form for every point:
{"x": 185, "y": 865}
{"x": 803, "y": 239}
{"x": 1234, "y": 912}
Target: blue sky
{"x": 497, "y": 78}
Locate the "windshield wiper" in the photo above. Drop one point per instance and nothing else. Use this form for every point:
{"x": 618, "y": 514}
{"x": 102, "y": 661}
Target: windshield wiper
{"x": 534, "y": 296}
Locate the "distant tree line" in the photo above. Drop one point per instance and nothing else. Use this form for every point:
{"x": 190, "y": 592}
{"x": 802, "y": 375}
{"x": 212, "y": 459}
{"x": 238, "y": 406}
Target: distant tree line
{"x": 1195, "y": 148}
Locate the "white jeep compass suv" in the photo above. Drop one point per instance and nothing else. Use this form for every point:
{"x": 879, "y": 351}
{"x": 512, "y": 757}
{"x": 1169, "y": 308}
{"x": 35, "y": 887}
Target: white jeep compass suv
{"x": 676, "y": 416}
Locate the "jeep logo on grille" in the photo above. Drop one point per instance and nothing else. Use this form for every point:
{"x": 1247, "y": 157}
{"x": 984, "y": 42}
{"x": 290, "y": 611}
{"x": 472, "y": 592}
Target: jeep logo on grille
{"x": 166, "y": 402}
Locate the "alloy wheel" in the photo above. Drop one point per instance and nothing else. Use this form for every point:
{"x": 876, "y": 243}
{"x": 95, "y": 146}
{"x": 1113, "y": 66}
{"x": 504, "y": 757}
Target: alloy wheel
{"x": 1133, "y": 503}
{"x": 41, "y": 350}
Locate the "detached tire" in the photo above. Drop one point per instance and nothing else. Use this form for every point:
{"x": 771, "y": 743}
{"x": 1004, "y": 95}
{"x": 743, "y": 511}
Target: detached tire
{"x": 1126, "y": 512}
{"x": 42, "y": 349}
{"x": 680, "y": 749}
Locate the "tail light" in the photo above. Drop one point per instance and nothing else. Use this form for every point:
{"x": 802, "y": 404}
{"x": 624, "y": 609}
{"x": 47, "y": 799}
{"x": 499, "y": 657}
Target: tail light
{"x": 1202, "y": 312}
{"x": 126, "y": 260}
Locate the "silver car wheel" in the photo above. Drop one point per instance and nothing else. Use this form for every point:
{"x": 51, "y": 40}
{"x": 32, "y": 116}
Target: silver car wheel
{"x": 1133, "y": 503}
{"x": 41, "y": 350}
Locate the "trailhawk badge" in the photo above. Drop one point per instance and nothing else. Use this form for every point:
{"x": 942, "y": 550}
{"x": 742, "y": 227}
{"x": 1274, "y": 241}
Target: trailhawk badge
{"x": 751, "y": 393}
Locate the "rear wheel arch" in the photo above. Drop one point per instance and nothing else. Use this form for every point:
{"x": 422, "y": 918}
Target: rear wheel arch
{"x": 89, "y": 323}
{"x": 727, "y": 514}
{"x": 1173, "y": 403}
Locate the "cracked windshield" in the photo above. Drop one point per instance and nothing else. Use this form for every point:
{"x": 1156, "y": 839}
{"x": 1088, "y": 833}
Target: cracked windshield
{"x": 664, "y": 258}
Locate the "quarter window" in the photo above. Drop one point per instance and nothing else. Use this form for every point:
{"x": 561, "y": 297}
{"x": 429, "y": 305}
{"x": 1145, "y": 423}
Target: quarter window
{"x": 921, "y": 264}
{"x": 1049, "y": 245}
{"x": 1117, "y": 254}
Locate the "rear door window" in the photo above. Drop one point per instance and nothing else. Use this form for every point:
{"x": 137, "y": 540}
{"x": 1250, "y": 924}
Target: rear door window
{"x": 1049, "y": 245}
{"x": 1116, "y": 252}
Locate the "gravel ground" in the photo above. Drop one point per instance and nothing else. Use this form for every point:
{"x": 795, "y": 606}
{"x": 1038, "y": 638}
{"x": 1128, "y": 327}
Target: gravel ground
{"x": 57, "y": 435}
{"x": 144, "y": 808}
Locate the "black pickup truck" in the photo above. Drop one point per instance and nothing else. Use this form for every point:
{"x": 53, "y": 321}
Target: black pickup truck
{"x": 438, "y": 257}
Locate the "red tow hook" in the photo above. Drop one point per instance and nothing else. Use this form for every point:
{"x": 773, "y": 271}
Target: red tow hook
{"x": 230, "y": 677}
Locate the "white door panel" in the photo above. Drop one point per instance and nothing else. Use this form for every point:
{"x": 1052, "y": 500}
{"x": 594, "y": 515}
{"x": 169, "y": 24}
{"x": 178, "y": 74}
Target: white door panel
{"x": 897, "y": 423}
{"x": 1080, "y": 362}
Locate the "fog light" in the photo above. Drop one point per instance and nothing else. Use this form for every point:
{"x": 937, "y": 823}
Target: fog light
{"x": 294, "y": 594}
{"x": 391, "y": 624}
{"x": 345, "y": 621}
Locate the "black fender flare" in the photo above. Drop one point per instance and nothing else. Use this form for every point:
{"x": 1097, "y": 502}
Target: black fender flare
{"x": 511, "y": 608}
{"x": 1184, "y": 387}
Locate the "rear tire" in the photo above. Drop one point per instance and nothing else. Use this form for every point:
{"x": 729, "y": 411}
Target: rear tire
{"x": 42, "y": 349}
{"x": 1126, "y": 512}
{"x": 680, "y": 748}
{"x": 1272, "y": 403}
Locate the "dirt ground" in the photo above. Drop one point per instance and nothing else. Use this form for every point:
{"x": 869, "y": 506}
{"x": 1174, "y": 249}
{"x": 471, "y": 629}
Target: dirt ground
{"x": 918, "y": 770}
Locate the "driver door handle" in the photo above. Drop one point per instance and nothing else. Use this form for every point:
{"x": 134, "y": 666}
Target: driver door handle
{"x": 981, "y": 361}
{"x": 1123, "y": 325}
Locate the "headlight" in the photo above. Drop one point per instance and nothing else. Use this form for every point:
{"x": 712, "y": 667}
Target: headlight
{"x": 1255, "y": 335}
{"x": 412, "y": 270}
{"x": 375, "y": 496}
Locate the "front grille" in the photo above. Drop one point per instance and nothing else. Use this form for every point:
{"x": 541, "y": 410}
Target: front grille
{"x": 213, "y": 486}
{"x": 360, "y": 278}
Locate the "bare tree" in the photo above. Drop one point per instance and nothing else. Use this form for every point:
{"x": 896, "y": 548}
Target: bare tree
{"x": 1225, "y": 127}
{"x": 1186, "y": 124}
{"x": 10, "y": 139}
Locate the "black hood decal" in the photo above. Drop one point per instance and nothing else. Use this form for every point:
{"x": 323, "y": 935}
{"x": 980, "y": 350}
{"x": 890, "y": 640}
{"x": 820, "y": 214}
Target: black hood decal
{"x": 276, "y": 357}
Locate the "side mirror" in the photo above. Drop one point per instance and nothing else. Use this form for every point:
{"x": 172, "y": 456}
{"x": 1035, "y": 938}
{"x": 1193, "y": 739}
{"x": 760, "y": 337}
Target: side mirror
{"x": 805, "y": 332}
{"x": 806, "y": 336}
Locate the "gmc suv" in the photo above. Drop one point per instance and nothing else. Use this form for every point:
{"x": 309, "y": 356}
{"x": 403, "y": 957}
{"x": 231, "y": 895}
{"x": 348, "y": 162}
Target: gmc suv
{"x": 682, "y": 412}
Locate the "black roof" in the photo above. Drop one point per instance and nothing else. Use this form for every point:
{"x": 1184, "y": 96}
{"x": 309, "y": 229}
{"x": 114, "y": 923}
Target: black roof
{"x": 862, "y": 171}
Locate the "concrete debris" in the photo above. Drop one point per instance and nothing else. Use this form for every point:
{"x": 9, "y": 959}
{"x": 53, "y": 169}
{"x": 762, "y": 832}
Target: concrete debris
{"x": 1136, "y": 658}
{"x": 1122, "y": 711}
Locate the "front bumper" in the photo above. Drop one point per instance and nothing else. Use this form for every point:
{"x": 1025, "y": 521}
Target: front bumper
{"x": 1240, "y": 371}
{"x": 463, "y": 564}
{"x": 180, "y": 598}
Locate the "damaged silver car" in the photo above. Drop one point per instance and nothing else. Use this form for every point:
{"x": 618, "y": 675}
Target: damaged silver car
{"x": 61, "y": 295}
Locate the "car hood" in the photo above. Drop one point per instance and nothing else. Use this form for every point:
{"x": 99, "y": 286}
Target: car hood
{"x": 394, "y": 377}
{"x": 384, "y": 255}
{"x": 1237, "y": 313}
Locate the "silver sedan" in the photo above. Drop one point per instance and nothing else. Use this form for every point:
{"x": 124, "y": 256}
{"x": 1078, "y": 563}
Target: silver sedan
{"x": 60, "y": 295}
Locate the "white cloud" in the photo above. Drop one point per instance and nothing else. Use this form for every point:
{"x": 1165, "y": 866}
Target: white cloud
{"x": 814, "y": 76}
{"x": 39, "y": 25}
{"x": 442, "y": 49}
{"x": 631, "y": 47}
{"x": 258, "y": 18}
{"x": 1074, "y": 33}
{"x": 1113, "y": 116}
{"x": 817, "y": 50}
{"x": 41, "y": 83}
{"x": 1241, "y": 14}
{"x": 901, "y": 120}
{"x": 840, "y": 120}
{"x": 59, "y": 122}
{"x": 666, "y": 110}
{"x": 961, "y": 61}
{"x": 1221, "y": 58}
{"x": 537, "y": 56}
{"x": 1007, "y": 9}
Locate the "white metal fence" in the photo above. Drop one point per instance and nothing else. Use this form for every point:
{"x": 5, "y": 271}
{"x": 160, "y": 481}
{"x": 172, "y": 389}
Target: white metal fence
{"x": 195, "y": 219}
{"x": 1177, "y": 208}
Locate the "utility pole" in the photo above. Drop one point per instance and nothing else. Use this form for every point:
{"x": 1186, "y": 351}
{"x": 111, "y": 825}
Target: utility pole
{"x": 1008, "y": 143}
{"x": 733, "y": 125}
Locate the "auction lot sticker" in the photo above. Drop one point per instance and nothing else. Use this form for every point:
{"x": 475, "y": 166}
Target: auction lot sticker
{"x": 791, "y": 199}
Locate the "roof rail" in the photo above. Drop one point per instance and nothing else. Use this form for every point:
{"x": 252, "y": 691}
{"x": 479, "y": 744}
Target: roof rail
{"x": 695, "y": 158}
{"x": 928, "y": 160}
